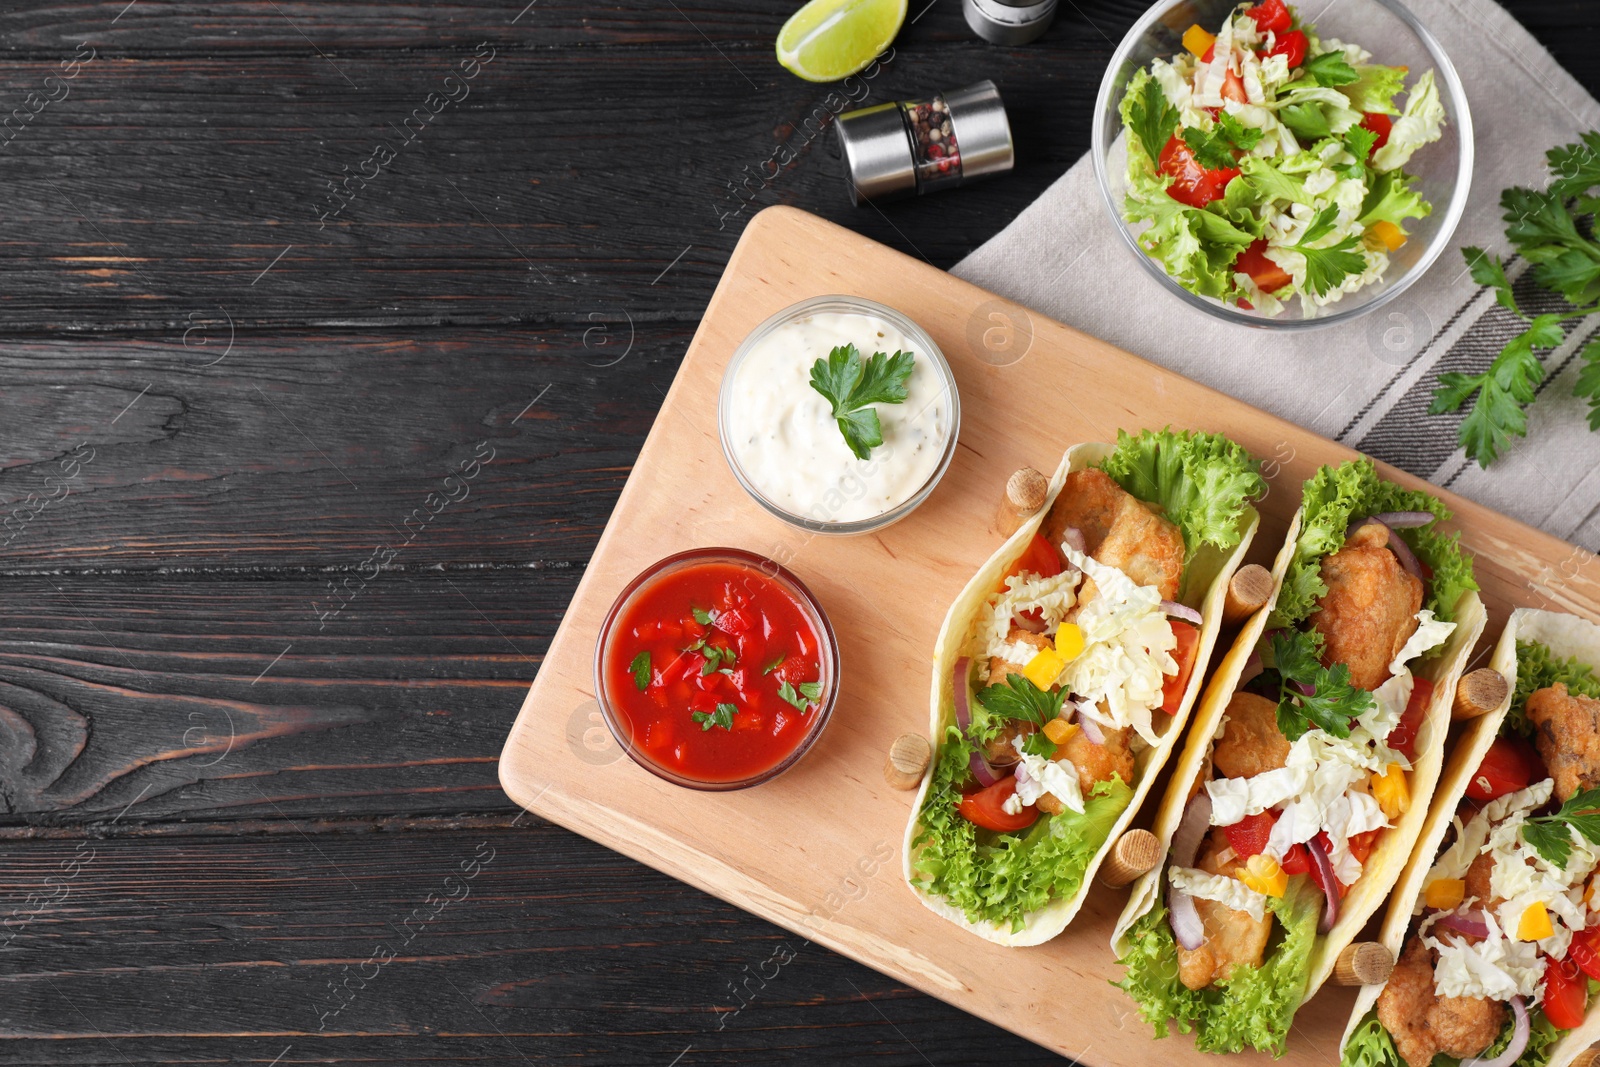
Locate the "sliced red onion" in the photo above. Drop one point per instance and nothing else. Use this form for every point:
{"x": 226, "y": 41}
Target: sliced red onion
{"x": 1181, "y": 611}
{"x": 1305, "y": 688}
{"x": 1519, "y": 1040}
{"x": 1402, "y": 551}
{"x": 1191, "y": 829}
{"x": 1330, "y": 894}
{"x": 1023, "y": 620}
{"x": 1404, "y": 520}
{"x": 1091, "y": 729}
{"x": 958, "y": 686}
{"x": 979, "y": 766}
{"x": 1181, "y": 913}
{"x": 1467, "y": 922}
{"x": 1408, "y": 559}
{"x": 1073, "y": 537}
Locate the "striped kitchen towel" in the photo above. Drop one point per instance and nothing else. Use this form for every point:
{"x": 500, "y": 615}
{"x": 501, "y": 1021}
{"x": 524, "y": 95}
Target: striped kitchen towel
{"x": 1367, "y": 383}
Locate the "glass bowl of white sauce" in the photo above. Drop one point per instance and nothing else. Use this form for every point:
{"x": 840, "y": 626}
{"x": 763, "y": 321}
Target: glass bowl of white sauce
{"x": 784, "y": 445}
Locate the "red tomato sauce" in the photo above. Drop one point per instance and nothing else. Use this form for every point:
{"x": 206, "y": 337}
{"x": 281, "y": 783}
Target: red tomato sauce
{"x": 725, "y": 646}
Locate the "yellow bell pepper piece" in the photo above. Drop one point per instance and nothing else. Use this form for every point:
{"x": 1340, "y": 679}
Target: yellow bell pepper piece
{"x": 1060, "y": 731}
{"x": 1534, "y": 924}
{"x": 1445, "y": 893}
{"x": 1387, "y": 232}
{"x": 1390, "y": 791}
{"x": 1069, "y": 641}
{"x": 1198, "y": 41}
{"x": 1263, "y": 874}
{"x": 1043, "y": 668}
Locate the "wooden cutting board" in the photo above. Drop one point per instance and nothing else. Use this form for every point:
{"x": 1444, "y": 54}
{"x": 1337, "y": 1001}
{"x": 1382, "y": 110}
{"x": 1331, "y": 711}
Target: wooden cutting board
{"x": 818, "y": 850}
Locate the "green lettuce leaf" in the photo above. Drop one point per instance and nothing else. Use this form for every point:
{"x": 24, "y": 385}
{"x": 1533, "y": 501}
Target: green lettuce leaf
{"x": 1202, "y": 481}
{"x": 1252, "y": 1009}
{"x": 1390, "y": 198}
{"x": 1375, "y": 88}
{"x": 1421, "y": 123}
{"x": 1539, "y": 668}
{"x": 1336, "y": 495}
{"x": 1371, "y": 1046}
{"x": 1270, "y": 181}
{"x": 1002, "y": 877}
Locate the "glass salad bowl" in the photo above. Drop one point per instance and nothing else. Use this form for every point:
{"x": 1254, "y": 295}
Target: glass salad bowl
{"x": 1387, "y": 29}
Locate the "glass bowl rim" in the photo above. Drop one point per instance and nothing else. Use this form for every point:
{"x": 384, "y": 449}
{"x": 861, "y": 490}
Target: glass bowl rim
{"x": 858, "y": 304}
{"x": 829, "y": 648}
{"x": 1460, "y": 113}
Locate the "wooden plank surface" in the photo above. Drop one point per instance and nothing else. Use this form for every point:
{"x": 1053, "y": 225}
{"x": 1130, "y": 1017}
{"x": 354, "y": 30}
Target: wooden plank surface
{"x": 783, "y": 849}
{"x": 141, "y": 212}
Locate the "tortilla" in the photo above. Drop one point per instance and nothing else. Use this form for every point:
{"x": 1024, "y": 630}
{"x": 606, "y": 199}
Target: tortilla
{"x": 1205, "y": 586}
{"x": 1384, "y": 865}
{"x": 1569, "y": 637}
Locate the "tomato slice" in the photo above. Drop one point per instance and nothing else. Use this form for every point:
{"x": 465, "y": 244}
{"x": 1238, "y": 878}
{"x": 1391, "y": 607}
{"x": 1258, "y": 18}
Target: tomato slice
{"x": 1403, "y": 738}
{"x": 1249, "y": 835}
{"x": 1172, "y": 689}
{"x": 1296, "y": 861}
{"x": 1267, "y": 275}
{"x": 985, "y": 807}
{"x": 1504, "y": 770}
{"x": 1040, "y": 557}
{"x": 1233, "y": 88}
{"x": 1361, "y": 844}
{"x": 1380, "y": 124}
{"x": 1585, "y": 951}
{"x": 1273, "y": 16}
{"x": 1293, "y": 45}
{"x": 1192, "y": 184}
{"x": 1566, "y": 993}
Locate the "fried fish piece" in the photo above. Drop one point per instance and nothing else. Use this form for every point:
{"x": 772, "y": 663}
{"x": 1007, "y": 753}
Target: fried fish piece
{"x": 1119, "y": 530}
{"x": 1233, "y": 938}
{"x": 1099, "y": 763}
{"x": 1369, "y": 611}
{"x": 1568, "y": 737}
{"x": 1251, "y": 742}
{"x": 1423, "y": 1023}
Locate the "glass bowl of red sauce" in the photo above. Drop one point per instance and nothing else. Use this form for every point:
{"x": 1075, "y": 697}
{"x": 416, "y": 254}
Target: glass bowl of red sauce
{"x": 716, "y": 669}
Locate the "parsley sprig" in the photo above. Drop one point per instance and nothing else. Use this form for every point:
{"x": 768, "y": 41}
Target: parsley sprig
{"x": 1311, "y": 694}
{"x": 722, "y": 717}
{"x": 802, "y": 696}
{"x": 1152, "y": 117}
{"x": 1554, "y": 231}
{"x": 640, "y": 669}
{"x": 852, "y": 384}
{"x": 1331, "y": 69}
{"x": 1551, "y": 835}
{"x": 1020, "y": 700}
{"x": 1327, "y": 267}
{"x": 1215, "y": 150}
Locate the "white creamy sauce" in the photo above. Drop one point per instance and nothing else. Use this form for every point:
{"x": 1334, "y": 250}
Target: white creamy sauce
{"x": 782, "y": 432}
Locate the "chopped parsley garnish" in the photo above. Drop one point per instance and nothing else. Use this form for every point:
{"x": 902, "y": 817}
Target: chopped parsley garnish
{"x": 640, "y": 669}
{"x": 716, "y": 658}
{"x": 1020, "y": 699}
{"x": 1327, "y": 267}
{"x": 1308, "y": 121}
{"x": 774, "y": 665}
{"x": 722, "y": 717}
{"x": 703, "y": 617}
{"x": 1215, "y": 150}
{"x": 1038, "y": 744}
{"x": 1152, "y": 117}
{"x": 1311, "y": 694}
{"x": 1551, "y": 835}
{"x": 852, "y": 384}
{"x": 801, "y": 696}
{"x": 1331, "y": 69}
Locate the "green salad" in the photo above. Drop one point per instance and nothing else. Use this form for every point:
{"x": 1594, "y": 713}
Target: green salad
{"x": 1267, "y": 163}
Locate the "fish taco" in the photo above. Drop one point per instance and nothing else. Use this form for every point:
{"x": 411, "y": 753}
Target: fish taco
{"x": 1494, "y": 920}
{"x": 1064, "y": 673}
{"x": 1307, "y": 773}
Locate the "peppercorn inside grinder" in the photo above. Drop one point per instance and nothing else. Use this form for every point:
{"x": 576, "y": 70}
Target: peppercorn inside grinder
{"x": 918, "y": 146}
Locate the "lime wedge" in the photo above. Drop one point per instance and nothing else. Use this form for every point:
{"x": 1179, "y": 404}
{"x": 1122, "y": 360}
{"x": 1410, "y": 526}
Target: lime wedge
{"x": 831, "y": 39}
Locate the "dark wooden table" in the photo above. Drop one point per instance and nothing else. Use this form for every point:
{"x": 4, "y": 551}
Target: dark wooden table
{"x": 258, "y": 648}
